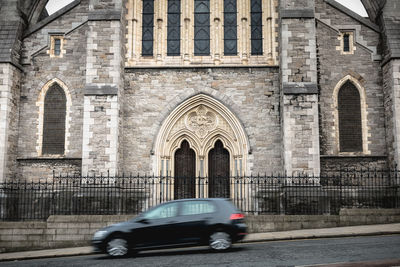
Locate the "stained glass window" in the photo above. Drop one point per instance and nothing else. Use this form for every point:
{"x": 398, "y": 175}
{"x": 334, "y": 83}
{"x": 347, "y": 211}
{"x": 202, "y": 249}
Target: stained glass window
{"x": 174, "y": 28}
{"x": 201, "y": 27}
{"x": 230, "y": 27}
{"x": 147, "y": 27}
{"x": 256, "y": 27}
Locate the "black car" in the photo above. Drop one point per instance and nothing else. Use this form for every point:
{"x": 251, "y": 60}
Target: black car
{"x": 213, "y": 221}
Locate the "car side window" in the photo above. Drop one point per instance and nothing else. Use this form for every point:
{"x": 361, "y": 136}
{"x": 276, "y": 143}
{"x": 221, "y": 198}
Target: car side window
{"x": 197, "y": 207}
{"x": 164, "y": 211}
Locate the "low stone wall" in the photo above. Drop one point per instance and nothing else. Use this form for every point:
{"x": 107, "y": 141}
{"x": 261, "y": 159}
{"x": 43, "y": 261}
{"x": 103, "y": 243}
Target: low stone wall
{"x": 346, "y": 217}
{"x": 77, "y": 230}
{"x": 57, "y": 232}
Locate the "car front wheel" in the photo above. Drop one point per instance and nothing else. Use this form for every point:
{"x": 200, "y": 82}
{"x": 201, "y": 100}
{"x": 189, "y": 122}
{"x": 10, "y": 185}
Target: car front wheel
{"x": 117, "y": 247}
{"x": 220, "y": 241}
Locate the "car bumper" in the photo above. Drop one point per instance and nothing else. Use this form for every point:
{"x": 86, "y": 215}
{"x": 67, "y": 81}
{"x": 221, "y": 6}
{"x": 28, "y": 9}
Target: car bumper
{"x": 240, "y": 231}
{"x": 98, "y": 246}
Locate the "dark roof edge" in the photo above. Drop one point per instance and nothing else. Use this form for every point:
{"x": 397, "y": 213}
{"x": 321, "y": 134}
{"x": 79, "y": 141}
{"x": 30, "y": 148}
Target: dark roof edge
{"x": 17, "y": 65}
{"x": 354, "y": 15}
{"x": 51, "y": 18}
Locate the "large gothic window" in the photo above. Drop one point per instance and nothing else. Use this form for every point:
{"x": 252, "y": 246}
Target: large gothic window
{"x": 256, "y": 27}
{"x": 54, "y": 121}
{"x": 174, "y": 28}
{"x": 201, "y": 27}
{"x": 230, "y": 27}
{"x": 350, "y": 127}
{"x": 147, "y": 27}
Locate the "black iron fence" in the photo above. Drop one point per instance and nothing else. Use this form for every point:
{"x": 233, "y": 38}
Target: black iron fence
{"x": 65, "y": 195}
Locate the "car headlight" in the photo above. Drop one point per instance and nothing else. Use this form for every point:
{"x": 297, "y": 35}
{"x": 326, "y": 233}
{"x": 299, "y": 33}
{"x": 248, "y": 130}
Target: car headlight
{"x": 99, "y": 234}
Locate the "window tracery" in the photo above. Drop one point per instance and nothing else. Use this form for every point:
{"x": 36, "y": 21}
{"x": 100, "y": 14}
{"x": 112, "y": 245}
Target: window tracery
{"x": 201, "y": 32}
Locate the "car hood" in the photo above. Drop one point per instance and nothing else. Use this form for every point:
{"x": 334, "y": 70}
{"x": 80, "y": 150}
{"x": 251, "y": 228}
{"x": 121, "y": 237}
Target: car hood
{"x": 122, "y": 226}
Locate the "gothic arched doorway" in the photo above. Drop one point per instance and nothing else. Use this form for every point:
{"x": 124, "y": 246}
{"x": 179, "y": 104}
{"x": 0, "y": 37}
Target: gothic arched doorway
{"x": 218, "y": 170}
{"x": 185, "y": 172}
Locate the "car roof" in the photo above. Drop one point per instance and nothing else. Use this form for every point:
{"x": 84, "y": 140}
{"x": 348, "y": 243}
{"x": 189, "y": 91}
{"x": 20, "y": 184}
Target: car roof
{"x": 208, "y": 199}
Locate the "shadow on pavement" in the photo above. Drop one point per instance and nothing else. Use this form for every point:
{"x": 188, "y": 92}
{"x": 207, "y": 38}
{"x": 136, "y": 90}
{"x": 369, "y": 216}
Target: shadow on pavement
{"x": 175, "y": 252}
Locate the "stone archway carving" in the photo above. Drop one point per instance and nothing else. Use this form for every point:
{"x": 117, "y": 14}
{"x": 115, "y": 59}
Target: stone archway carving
{"x": 201, "y": 120}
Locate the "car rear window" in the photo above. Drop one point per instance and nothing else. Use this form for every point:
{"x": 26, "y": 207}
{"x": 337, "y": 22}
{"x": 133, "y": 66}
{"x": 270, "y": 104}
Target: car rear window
{"x": 197, "y": 207}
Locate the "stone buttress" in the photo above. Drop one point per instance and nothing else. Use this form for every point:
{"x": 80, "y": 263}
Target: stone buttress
{"x": 299, "y": 91}
{"x": 104, "y": 75}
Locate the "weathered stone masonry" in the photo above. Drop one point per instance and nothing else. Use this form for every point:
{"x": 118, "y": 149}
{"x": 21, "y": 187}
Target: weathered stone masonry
{"x": 285, "y": 100}
{"x": 300, "y": 130}
{"x": 363, "y": 69}
{"x": 100, "y": 152}
{"x": 252, "y": 94}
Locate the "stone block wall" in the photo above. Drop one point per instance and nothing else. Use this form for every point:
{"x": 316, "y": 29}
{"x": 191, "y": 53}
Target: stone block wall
{"x": 56, "y": 232}
{"x": 347, "y": 217}
{"x": 300, "y": 118}
{"x": 391, "y": 89}
{"x": 298, "y": 51}
{"x": 252, "y": 94}
{"x": 104, "y": 83}
{"x": 10, "y": 78}
{"x": 42, "y": 169}
{"x": 100, "y": 134}
{"x": 289, "y": 4}
{"x": 335, "y": 164}
{"x": 299, "y": 94}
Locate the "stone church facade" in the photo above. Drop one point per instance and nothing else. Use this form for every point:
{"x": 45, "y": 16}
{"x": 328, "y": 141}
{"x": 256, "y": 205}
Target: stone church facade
{"x": 197, "y": 87}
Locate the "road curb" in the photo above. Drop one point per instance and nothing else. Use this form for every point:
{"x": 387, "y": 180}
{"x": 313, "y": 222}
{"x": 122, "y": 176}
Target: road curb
{"x": 50, "y": 253}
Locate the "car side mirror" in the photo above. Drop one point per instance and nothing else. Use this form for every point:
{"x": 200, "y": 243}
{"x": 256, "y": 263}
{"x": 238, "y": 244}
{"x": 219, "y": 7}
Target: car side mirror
{"x": 144, "y": 221}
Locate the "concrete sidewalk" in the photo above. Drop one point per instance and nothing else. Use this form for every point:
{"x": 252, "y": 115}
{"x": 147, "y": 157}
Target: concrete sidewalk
{"x": 381, "y": 229}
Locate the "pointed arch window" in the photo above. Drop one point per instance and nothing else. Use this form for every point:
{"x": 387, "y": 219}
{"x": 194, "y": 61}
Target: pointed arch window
{"x": 148, "y": 28}
{"x": 174, "y": 28}
{"x": 256, "y": 27}
{"x": 346, "y": 42}
{"x": 230, "y": 27}
{"x": 201, "y": 27}
{"x": 350, "y": 123}
{"x": 54, "y": 121}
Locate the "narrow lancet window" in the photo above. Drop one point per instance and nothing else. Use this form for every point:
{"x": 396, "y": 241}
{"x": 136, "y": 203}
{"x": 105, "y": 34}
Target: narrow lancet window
{"x": 201, "y": 27}
{"x": 174, "y": 28}
{"x": 350, "y": 127}
{"x": 230, "y": 27}
{"x": 256, "y": 27}
{"x": 57, "y": 46}
{"x": 54, "y": 121}
{"x": 346, "y": 42}
{"x": 147, "y": 27}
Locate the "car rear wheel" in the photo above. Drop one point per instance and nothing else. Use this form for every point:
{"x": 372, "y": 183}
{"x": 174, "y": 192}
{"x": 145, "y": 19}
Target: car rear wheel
{"x": 117, "y": 247}
{"x": 220, "y": 241}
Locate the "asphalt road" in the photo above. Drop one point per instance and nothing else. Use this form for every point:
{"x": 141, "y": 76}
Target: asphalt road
{"x": 361, "y": 251}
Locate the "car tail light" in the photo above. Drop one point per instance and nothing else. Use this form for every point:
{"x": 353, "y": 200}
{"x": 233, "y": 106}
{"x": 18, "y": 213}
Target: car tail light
{"x": 236, "y": 216}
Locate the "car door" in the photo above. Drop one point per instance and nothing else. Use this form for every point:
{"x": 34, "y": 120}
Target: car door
{"x": 158, "y": 226}
{"x": 194, "y": 219}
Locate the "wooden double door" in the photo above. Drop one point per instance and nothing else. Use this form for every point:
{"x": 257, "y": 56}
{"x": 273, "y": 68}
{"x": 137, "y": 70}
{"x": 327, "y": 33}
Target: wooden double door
{"x": 185, "y": 172}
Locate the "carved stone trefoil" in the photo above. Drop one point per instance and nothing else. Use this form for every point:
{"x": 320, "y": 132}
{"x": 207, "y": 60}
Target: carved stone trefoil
{"x": 201, "y": 121}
